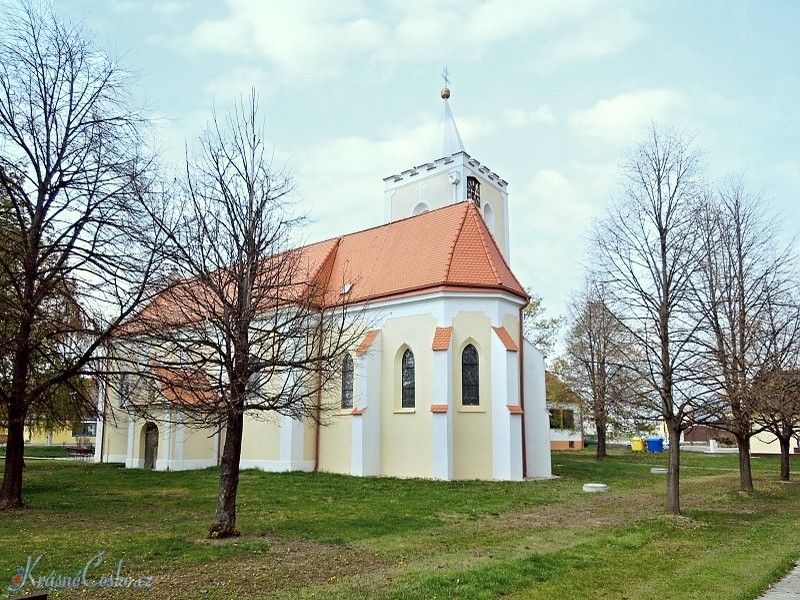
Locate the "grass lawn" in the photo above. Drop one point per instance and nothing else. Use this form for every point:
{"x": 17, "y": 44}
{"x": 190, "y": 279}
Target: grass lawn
{"x": 331, "y": 536}
{"x": 41, "y": 451}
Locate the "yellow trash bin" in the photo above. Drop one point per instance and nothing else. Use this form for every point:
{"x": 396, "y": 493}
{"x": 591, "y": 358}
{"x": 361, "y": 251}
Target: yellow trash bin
{"x": 637, "y": 444}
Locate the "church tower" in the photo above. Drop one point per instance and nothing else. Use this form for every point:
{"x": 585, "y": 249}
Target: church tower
{"x": 454, "y": 177}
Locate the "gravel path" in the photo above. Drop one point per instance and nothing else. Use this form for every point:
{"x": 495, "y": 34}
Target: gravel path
{"x": 787, "y": 588}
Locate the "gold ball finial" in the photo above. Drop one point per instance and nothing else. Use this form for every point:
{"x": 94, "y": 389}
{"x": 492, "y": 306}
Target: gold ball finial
{"x": 445, "y": 93}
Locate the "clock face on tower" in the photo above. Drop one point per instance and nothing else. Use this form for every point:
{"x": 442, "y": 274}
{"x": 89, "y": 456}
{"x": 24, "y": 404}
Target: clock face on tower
{"x": 474, "y": 190}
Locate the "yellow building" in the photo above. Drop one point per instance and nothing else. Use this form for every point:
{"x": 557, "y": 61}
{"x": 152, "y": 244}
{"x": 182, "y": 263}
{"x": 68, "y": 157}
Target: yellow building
{"x": 442, "y": 385}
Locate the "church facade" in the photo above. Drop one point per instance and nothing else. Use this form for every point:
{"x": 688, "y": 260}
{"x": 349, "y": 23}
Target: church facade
{"x": 442, "y": 385}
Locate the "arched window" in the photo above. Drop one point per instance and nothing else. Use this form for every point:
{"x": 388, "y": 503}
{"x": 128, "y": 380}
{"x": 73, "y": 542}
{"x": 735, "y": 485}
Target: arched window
{"x": 408, "y": 400}
{"x": 347, "y": 382}
{"x": 474, "y": 190}
{"x": 419, "y": 209}
{"x": 488, "y": 217}
{"x": 470, "y": 380}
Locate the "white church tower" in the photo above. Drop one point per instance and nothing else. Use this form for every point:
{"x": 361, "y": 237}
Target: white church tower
{"x": 454, "y": 177}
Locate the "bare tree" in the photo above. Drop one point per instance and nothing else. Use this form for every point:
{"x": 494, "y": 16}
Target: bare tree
{"x": 647, "y": 249}
{"x": 539, "y": 330}
{"x": 596, "y": 348}
{"x": 777, "y": 385}
{"x": 743, "y": 277}
{"x": 249, "y": 324}
{"x": 71, "y": 270}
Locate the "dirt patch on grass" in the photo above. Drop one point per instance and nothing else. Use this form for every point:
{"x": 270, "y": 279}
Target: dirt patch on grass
{"x": 288, "y": 565}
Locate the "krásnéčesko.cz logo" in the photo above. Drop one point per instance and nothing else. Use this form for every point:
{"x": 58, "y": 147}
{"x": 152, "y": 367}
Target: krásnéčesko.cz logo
{"x": 90, "y": 576}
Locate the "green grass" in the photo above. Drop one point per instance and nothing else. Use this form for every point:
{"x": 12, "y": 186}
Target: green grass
{"x": 41, "y": 451}
{"x": 307, "y": 535}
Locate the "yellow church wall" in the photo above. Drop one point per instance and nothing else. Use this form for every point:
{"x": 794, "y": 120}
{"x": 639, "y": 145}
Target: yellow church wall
{"x": 198, "y": 444}
{"x": 335, "y": 441}
{"x": 309, "y": 439}
{"x": 412, "y": 458}
{"x": 493, "y": 197}
{"x": 336, "y": 433}
{"x": 261, "y": 437}
{"x": 511, "y": 324}
{"x": 115, "y": 438}
{"x": 472, "y": 425}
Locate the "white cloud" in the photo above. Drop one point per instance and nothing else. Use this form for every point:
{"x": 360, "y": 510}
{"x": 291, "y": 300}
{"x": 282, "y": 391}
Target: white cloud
{"x": 621, "y": 120}
{"x": 317, "y": 39}
{"x": 608, "y": 34}
{"x": 519, "y": 117}
{"x": 551, "y": 219}
{"x": 239, "y": 82}
{"x": 306, "y": 39}
{"x": 169, "y": 8}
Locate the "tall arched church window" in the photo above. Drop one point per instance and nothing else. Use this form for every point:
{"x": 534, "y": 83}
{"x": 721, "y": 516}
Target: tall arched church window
{"x": 488, "y": 217}
{"x": 347, "y": 382}
{"x": 474, "y": 190}
{"x": 470, "y": 379}
{"x": 408, "y": 393}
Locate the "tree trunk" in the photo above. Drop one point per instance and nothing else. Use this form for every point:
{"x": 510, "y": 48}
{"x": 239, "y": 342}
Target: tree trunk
{"x": 601, "y": 442}
{"x": 784, "y": 442}
{"x": 674, "y": 470}
{"x": 11, "y": 492}
{"x": 224, "y": 524}
{"x": 745, "y": 470}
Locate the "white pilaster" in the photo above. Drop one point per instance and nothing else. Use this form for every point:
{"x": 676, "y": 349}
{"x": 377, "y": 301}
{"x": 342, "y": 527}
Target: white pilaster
{"x": 506, "y": 425}
{"x": 101, "y": 422}
{"x": 537, "y": 421}
{"x": 165, "y": 447}
{"x": 365, "y": 445}
{"x": 131, "y": 461}
{"x": 442, "y": 425}
{"x": 291, "y": 444}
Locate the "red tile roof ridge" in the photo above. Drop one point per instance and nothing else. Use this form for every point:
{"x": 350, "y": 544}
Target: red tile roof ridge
{"x": 441, "y": 338}
{"x": 449, "y": 261}
{"x": 506, "y": 339}
{"x": 482, "y": 231}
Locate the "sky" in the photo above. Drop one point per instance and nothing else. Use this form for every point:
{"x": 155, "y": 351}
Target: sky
{"x": 551, "y": 95}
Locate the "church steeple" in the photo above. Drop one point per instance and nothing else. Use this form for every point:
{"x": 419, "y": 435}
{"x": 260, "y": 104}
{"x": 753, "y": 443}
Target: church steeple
{"x": 452, "y": 139}
{"x": 454, "y": 177}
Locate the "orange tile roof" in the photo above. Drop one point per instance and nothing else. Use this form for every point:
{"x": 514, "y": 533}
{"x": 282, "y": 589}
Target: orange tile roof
{"x": 447, "y": 248}
{"x": 515, "y": 409}
{"x": 506, "y": 338}
{"x": 438, "y": 408}
{"x": 367, "y": 342}
{"x": 450, "y": 247}
{"x": 441, "y": 339}
{"x": 186, "y": 388}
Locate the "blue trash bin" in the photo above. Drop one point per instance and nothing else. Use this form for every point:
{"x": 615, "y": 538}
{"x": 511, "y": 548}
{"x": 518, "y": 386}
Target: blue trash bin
{"x": 655, "y": 444}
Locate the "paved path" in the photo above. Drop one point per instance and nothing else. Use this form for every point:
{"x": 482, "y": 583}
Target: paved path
{"x": 787, "y": 588}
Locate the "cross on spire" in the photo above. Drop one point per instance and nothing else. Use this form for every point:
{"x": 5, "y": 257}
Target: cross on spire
{"x": 446, "y": 76}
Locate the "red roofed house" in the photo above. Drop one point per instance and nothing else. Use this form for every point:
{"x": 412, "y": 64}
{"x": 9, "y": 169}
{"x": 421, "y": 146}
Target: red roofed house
{"x": 443, "y": 385}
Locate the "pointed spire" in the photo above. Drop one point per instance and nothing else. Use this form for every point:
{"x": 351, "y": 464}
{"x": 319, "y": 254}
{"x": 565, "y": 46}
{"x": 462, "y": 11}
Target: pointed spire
{"x": 452, "y": 139}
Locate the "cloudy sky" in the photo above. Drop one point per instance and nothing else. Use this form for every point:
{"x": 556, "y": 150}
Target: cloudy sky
{"x": 550, "y": 94}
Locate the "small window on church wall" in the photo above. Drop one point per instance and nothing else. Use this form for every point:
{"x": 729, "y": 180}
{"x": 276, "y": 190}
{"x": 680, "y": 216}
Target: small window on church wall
{"x": 347, "y": 382}
{"x": 488, "y": 217}
{"x": 408, "y": 399}
{"x": 470, "y": 380}
{"x": 474, "y": 190}
{"x": 419, "y": 209}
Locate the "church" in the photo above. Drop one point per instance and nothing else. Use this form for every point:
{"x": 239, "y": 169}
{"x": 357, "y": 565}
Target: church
{"x": 442, "y": 385}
